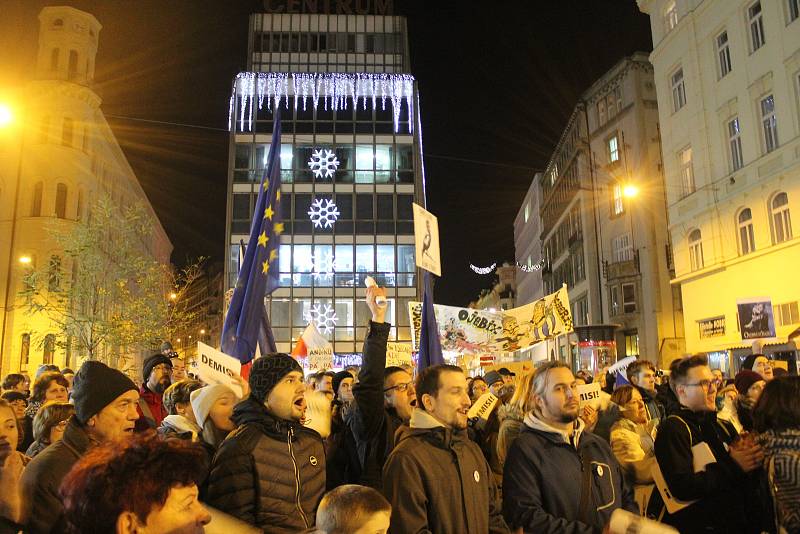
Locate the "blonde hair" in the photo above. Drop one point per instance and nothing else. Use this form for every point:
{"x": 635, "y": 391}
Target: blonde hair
{"x": 521, "y": 399}
{"x": 535, "y": 383}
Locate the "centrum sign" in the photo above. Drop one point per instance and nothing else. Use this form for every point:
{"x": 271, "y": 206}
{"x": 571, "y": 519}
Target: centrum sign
{"x": 331, "y": 7}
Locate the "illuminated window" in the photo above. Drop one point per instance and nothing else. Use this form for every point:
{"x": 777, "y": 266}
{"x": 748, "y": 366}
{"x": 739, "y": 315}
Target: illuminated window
{"x": 696, "y": 250}
{"x": 735, "y": 144}
{"x": 617, "y": 200}
{"x": 769, "y": 123}
{"x": 781, "y": 219}
{"x": 613, "y": 149}
{"x": 670, "y": 16}
{"x": 747, "y": 242}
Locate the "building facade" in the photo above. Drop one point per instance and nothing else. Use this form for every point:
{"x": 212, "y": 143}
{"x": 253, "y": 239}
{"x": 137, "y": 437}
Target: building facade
{"x": 503, "y": 294}
{"x": 203, "y": 300}
{"x": 728, "y": 78}
{"x": 57, "y": 157}
{"x": 528, "y": 245}
{"x": 603, "y": 224}
{"x": 351, "y": 103}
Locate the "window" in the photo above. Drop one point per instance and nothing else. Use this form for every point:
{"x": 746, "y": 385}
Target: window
{"x": 61, "y": 201}
{"x": 670, "y": 16}
{"x": 621, "y": 248}
{"x": 36, "y": 205}
{"x": 787, "y": 314}
{"x": 686, "y": 171}
{"x": 617, "y": 202}
{"x": 631, "y": 344}
{"x": 756, "y": 23}
{"x": 678, "y": 90}
{"x": 794, "y": 9}
{"x": 613, "y": 149}
{"x": 67, "y": 131}
{"x": 611, "y": 105}
{"x": 781, "y": 219}
{"x": 48, "y": 349}
{"x": 769, "y": 123}
{"x": 735, "y": 144}
{"x": 24, "y": 351}
{"x": 72, "y": 66}
{"x": 747, "y": 242}
{"x": 696, "y": 250}
{"x": 723, "y": 54}
{"x": 54, "y": 59}
{"x": 628, "y": 298}
{"x": 613, "y": 301}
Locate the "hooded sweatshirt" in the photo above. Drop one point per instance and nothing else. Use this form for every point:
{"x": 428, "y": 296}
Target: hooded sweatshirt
{"x": 558, "y": 481}
{"x": 437, "y": 480}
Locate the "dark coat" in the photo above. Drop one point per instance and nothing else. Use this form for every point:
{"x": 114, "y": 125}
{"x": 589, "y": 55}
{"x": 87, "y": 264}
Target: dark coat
{"x": 721, "y": 490}
{"x": 438, "y": 480}
{"x": 268, "y": 472}
{"x": 42, "y": 478}
{"x": 343, "y": 465}
{"x": 655, "y": 409}
{"x": 544, "y": 478}
{"x": 373, "y": 425}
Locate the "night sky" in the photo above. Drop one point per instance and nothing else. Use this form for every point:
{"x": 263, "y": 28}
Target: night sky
{"x": 497, "y": 79}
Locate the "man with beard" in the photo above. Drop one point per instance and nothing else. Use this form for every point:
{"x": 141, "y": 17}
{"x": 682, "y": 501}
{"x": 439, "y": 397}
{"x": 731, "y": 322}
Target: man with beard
{"x": 156, "y": 373}
{"x": 559, "y": 477}
{"x": 270, "y": 471}
{"x": 383, "y": 398}
{"x": 436, "y": 478}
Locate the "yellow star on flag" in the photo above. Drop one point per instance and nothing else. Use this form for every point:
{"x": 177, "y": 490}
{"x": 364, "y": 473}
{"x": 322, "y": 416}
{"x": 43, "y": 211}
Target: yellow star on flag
{"x": 268, "y": 213}
{"x": 278, "y": 228}
{"x": 265, "y": 267}
{"x": 273, "y": 254}
{"x": 278, "y": 195}
{"x": 263, "y": 239}
{"x": 266, "y": 184}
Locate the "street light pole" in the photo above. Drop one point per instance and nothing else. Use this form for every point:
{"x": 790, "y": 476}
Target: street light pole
{"x": 11, "y": 247}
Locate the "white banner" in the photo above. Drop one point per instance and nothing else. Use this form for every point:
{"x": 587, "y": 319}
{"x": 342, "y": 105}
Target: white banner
{"x": 398, "y": 354}
{"x": 215, "y": 367}
{"x": 589, "y": 394}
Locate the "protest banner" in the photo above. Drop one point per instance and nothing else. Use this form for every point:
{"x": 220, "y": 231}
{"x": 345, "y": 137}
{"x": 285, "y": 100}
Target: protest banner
{"x": 426, "y": 239}
{"x": 589, "y": 394}
{"x": 756, "y": 319}
{"x": 398, "y": 354}
{"x": 215, "y": 367}
{"x": 320, "y": 357}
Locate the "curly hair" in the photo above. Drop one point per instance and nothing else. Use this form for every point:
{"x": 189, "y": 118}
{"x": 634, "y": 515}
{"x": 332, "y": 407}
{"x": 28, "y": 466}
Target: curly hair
{"x": 42, "y": 384}
{"x": 135, "y": 477}
{"x": 49, "y": 415}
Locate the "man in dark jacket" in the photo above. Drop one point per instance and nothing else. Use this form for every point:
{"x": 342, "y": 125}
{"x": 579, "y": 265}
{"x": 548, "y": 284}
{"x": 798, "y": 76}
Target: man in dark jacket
{"x": 156, "y": 372}
{"x": 436, "y": 478}
{"x": 559, "y": 478}
{"x": 270, "y": 472}
{"x": 642, "y": 376}
{"x": 342, "y": 453}
{"x": 717, "y": 496}
{"x": 384, "y": 398}
{"x": 105, "y": 411}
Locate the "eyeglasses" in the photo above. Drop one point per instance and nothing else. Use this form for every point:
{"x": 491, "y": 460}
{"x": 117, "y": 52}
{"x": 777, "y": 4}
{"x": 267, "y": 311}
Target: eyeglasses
{"x": 399, "y": 387}
{"x": 705, "y": 384}
{"x": 162, "y": 367}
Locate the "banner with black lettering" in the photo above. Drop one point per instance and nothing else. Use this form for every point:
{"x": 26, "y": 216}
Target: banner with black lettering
{"x": 215, "y": 367}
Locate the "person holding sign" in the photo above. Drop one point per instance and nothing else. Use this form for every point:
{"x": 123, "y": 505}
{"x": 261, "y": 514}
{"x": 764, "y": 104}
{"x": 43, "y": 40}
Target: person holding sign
{"x": 704, "y": 465}
{"x": 558, "y": 477}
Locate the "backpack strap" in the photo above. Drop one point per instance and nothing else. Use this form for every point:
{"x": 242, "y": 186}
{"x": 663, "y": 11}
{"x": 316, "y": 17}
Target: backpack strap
{"x": 147, "y": 413}
{"x": 689, "y": 430}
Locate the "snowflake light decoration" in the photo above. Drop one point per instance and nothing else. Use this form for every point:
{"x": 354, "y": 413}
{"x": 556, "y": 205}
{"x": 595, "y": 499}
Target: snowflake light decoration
{"x": 323, "y": 163}
{"x": 323, "y": 316}
{"x": 323, "y": 213}
{"x": 322, "y": 265}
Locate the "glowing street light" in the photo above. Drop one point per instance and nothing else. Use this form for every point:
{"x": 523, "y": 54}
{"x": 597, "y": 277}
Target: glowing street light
{"x": 25, "y": 260}
{"x": 630, "y": 191}
{"x": 6, "y": 115}
{"x": 202, "y": 331}
{"x": 173, "y": 296}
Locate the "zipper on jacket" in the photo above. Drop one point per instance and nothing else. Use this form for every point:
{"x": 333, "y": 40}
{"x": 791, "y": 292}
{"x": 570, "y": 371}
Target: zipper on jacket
{"x": 289, "y": 437}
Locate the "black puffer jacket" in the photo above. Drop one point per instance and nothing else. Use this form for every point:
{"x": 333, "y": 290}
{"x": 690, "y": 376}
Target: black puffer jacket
{"x": 373, "y": 425}
{"x": 269, "y": 472}
{"x": 42, "y": 478}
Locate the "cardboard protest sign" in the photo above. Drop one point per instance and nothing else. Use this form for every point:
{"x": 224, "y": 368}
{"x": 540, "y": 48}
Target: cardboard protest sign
{"x": 426, "y": 238}
{"x": 589, "y": 394}
{"x": 320, "y": 357}
{"x": 483, "y": 407}
{"x": 215, "y": 367}
{"x": 398, "y": 354}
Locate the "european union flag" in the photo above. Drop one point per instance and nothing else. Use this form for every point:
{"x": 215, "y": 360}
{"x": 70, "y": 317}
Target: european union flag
{"x": 430, "y": 345}
{"x": 247, "y": 323}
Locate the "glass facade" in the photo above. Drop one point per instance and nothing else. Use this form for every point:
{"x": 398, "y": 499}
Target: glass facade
{"x": 377, "y": 179}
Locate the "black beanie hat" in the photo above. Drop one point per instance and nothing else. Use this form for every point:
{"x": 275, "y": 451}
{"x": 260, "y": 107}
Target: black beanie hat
{"x": 152, "y": 361}
{"x": 750, "y": 361}
{"x": 96, "y": 386}
{"x": 337, "y": 381}
{"x": 267, "y": 371}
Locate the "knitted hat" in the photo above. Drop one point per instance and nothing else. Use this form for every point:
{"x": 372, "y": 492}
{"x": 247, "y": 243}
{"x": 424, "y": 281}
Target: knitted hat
{"x": 152, "y": 361}
{"x": 166, "y": 347}
{"x": 750, "y": 361}
{"x": 744, "y": 379}
{"x": 267, "y": 371}
{"x": 337, "y": 381}
{"x": 204, "y": 398}
{"x": 96, "y": 386}
{"x": 491, "y": 377}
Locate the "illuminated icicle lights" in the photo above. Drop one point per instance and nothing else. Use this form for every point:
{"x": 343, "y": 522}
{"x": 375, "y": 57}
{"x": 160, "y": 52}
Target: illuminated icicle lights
{"x": 491, "y": 268}
{"x": 334, "y": 89}
{"x": 483, "y": 270}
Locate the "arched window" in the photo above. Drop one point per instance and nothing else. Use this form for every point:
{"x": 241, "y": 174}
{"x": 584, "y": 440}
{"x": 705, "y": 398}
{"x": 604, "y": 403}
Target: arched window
{"x": 36, "y": 205}
{"x": 747, "y": 242}
{"x": 54, "y": 59}
{"x": 49, "y": 349}
{"x": 781, "y": 219}
{"x": 72, "y": 66}
{"x": 696, "y": 250}
{"x": 61, "y": 201}
{"x": 67, "y": 131}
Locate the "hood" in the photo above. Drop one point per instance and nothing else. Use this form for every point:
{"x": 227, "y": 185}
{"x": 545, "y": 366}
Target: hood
{"x": 784, "y": 441}
{"x": 420, "y": 419}
{"x": 250, "y": 411}
{"x": 181, "y": 424}
{"x": 510, "y": 411}
{"x": 554, "y": 434}
{"x": 425, "y": 425}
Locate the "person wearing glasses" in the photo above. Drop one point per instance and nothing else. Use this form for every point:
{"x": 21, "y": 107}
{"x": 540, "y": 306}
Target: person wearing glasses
{"x": 49, "y": 424}
{"x": 384, "y": 398}
{"x": 719, "y": 494}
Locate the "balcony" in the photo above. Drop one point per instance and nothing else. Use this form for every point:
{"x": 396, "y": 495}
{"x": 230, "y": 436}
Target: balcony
{"x": 622, "y": 269}
{"x": 575, "y": 239}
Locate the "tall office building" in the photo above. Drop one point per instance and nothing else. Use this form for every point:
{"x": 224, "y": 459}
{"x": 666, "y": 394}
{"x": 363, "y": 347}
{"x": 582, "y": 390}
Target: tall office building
{"x": 351, "y": 166}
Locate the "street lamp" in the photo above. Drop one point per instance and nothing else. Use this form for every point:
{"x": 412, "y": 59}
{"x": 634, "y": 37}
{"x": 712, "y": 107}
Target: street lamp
{"x": 630, "y": 191}
{"x": 202, "y": 331}
{"x": 173, "y": 296}
{"x": 6, "y": 115}
{"x": 25, "y": 260}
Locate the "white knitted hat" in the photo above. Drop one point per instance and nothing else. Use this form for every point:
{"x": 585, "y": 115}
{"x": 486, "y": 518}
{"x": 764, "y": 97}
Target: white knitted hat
{"x": 204, "y": 398}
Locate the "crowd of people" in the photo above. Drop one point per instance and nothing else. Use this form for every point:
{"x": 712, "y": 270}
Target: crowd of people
{"x": 377, "y": 449}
